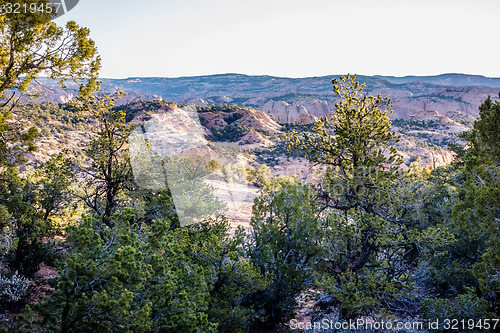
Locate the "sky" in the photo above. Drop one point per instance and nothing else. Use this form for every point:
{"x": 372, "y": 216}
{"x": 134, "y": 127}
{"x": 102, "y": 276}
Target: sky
{"x": 289, "y": 38}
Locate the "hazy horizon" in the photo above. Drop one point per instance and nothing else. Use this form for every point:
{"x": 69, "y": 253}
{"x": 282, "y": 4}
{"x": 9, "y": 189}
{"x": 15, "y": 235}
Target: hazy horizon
{"x": 291, "y": 38}
{"x": 298, "y": 77}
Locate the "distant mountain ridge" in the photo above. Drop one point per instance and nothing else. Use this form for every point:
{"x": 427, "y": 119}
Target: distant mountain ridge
{"x": 290, "y": 99}
{"x": 457, "y": 80}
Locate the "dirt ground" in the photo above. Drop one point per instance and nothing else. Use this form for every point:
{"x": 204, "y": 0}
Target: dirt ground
{"x": 239, "y": 199}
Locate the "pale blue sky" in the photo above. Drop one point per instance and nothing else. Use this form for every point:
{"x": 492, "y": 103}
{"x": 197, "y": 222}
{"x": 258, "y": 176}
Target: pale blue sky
{"x": 292, "y": 38}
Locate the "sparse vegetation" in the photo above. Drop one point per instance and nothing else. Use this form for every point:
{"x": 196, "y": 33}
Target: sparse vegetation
{"x": 14, "y": 288}
{"x": 367, "y": 238}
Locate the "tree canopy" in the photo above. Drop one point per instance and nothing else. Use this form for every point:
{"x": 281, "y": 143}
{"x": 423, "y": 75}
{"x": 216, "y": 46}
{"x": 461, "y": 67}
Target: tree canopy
{"x": 31, "y": 45}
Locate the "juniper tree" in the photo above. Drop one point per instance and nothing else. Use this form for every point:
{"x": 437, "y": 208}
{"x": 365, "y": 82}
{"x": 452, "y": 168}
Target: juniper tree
{"x": 371, "y": 233}
{"x": 284, "y": 245}
{"x": 149, "y": 278}
{"x": 478, "y": 212}
{"x": 30, "y": 46}
{"x": 110, "y": 173}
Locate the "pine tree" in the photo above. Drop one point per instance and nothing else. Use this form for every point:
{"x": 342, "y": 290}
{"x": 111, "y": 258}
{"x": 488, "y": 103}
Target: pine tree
{"x": 478, "y": 213}
{"x": 110, "y": 173}
{"x": 372, "y": 235}
{"x": 31, "y": 46}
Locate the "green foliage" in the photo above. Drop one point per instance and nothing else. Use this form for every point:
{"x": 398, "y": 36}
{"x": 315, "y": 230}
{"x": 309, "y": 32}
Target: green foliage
{"x": 219, "y": 108}
{"x": 450, "y": 270}
{"x": 53, "y": 181}
{"x": 53, "y": 117}
{"x": 409, "y": 124}
{"x": 230, "y": 133}
{"x": 231, "y": 277}
{"x": 478, "y": 211}
{"x": 32, "y": 45}
{"x": 15, "y": 140}
{"x": 194, "y": 198}
{"x": 145, "y": 108}
{"x": 373, "y": 234}
{"x": 185, "y": 180}
{"x": 151, "y": 278}
{"x": 214, "y": 165}
{"x": 368, "y": 236}
{"x": 284, "y": 244}
{"x": 110, "y": 173}
{"x": 258, "y": 175}
{"x": 30, "y": 205}
{"x": 358, "y": 293}
{"x": 150, "y": 206}
{"x": 485, "y": 136}
{"x": 101, "y": 282}
{"x": 183, "y": 177}
{"x": 356, "y": 135}
{"x": 467, "y": 306}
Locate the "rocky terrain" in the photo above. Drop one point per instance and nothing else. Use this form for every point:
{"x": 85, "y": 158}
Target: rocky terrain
{"x": 287, "y": 99}
{"x": 429, "y": 111}
{"x": 444, "y": 104}
{"x": 242, "y": 117}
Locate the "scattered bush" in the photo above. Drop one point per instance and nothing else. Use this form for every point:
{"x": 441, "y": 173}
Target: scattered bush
{"x": 258, "y": 175}
{"x": 465, "y": 307}
{"x": 14, "y": 288}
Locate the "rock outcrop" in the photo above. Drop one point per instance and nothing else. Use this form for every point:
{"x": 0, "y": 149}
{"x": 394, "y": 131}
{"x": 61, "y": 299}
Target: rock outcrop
{"x": 284, "y": 112}
{"x": 317, "y": 108}
{"x": 288, "y": 98}
{"x": 306, "y": 119}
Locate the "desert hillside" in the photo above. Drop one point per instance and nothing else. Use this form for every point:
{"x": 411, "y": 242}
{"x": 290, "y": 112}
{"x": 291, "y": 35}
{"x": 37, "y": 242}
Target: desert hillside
{"x": 236, "y": 135}
{"x": 287, "y": 99}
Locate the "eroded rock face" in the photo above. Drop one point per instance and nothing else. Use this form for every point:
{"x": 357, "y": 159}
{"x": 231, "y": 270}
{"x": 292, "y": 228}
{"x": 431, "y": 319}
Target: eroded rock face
{"x": 455, "y": 100}
{"x": 288, "y": 98}
{"x": 317, "y": 108}
{"x": 257, "y": 120}
{"x": 244, "y": 117}
{"x": 428, "y": 158}
{"x": 307, "y": 119}
{"x": 284, "y": 112}
{"x": 198, "y": 101}
{"x": 303, "y": 110}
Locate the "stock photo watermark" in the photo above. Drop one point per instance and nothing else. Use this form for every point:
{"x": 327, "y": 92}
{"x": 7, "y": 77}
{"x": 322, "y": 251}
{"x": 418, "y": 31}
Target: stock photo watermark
{"x": 362, "y": 324}
{"x": 47, "y": 10}
{"x": 170, "y": 151}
